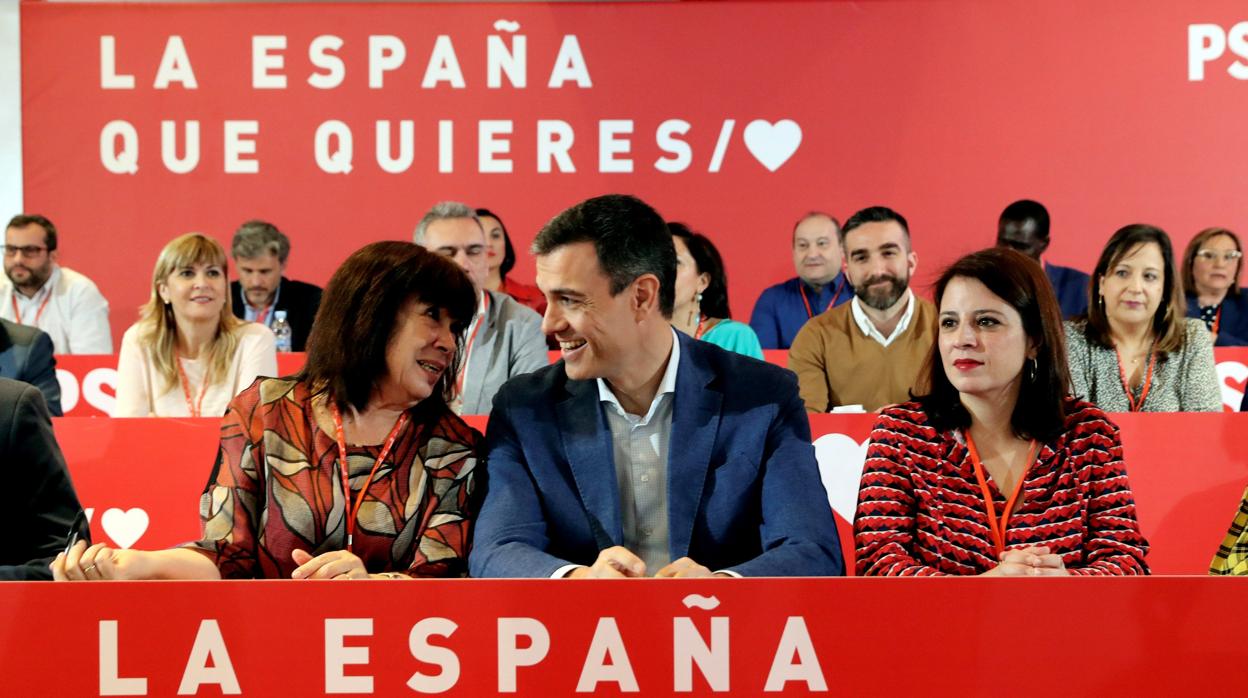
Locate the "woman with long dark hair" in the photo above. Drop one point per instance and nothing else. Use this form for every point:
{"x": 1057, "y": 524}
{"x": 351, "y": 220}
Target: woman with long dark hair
{"x": 701, "y": 307}
{"x": 994, "y": 469}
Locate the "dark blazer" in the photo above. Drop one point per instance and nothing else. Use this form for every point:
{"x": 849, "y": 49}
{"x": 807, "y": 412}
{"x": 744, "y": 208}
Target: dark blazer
{"x": 300, "y": 301}
{"x": 1071, "y": 287}
{"x": 1233, "y": 325}
{"x": 38, "y": 505}
{"x": 743, "y": 487}
{"x": 26, "y": 355}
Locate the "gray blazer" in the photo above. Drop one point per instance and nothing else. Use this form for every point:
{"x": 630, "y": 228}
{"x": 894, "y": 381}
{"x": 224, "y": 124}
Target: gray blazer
{"x": 509, "y": 344}
{"x": 26, "y": 355}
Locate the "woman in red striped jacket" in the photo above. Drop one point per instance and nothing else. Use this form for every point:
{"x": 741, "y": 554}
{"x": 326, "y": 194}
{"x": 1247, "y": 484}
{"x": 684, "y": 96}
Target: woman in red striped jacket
{"x": 995, "y": 469}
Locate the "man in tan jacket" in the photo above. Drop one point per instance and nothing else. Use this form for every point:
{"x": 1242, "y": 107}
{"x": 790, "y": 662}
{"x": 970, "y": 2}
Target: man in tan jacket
{"x": 869, "y": 351}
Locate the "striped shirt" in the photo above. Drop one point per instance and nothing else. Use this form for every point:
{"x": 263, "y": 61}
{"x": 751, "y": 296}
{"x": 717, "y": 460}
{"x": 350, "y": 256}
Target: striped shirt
{"x": 921, "y": 511}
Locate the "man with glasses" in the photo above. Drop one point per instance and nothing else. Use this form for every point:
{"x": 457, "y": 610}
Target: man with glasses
{"x": 505, "y": 338}
{"x": 38, "y": 292}
{"x": 1024, "y": 226}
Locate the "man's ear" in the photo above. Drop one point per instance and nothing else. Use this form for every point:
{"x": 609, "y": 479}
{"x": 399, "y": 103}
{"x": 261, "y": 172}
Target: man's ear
{"x": 645, "y": 295}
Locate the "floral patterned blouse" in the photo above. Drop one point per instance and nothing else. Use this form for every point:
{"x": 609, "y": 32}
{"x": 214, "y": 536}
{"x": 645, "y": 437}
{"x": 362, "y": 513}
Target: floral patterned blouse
{"x": 277, "y": 486}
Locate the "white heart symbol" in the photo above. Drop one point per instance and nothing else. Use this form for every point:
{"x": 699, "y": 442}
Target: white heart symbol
{"x": 773, "y": 144}
{"x": 840, "y": 467}
{"x": 124, "y": 527}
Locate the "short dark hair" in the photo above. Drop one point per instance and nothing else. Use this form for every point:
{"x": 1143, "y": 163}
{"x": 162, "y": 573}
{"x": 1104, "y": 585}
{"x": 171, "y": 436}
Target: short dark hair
{"x": 629, "y": 237}
{"x": 707, "y": 260}
{"x": 874, "y": 214}
{"x": 1015, "y": 278}
{"x": 1026, "y": 209}
{"x": 22, "y": 220}
{"x": 356, "y": 320}
{"x": 509, "y": 252}
{"x": 1169, "y": 330}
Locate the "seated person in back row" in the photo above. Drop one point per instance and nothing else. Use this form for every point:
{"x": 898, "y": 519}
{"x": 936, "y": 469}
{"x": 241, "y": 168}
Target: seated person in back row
{"x": 585, "y": 477}
{"x": 783, "y": 309}
{"x": 869, "y": 351}
{"x": 260, "y": 251}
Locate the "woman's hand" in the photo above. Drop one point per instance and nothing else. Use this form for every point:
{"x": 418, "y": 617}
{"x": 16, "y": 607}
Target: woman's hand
{"x": 336, "y": 564}
{"x": 98, "y": 562}
{"x": 1034, "y": 561}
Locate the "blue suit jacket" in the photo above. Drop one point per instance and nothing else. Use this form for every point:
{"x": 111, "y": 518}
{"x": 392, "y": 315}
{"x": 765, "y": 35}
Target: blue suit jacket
{"x": 1071, "y": 287}
{"x": 1233, "y": 325}
{"x": 743, "y": 486}
{"x": 26, "y": 355}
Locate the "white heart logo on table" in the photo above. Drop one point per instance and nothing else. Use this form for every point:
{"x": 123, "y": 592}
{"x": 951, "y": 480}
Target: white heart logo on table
{"x": 125, "y": 527}
{"x": 841, "y": 459}
{"x": 773, "y": 144}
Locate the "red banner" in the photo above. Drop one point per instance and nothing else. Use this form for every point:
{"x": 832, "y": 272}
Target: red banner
{"x": 343, "y": 123}
{"x": 88, "y": 381}
{"x": 140, "y": 479}
{"x": 857, "y": 637}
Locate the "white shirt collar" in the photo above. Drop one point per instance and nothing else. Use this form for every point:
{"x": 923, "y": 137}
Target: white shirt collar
{"x": 868, "y": 327}
{"x": 666, "y": 385}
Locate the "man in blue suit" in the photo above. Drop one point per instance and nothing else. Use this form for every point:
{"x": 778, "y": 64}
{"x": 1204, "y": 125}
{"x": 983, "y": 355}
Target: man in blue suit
{"x": 26, "y": 355}
{"x": 644, "y": 452}
{"x": 1024, "y": 226}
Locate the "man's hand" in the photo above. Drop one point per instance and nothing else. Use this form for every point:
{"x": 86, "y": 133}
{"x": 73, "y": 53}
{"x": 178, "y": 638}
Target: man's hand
{"x": 684, "y": 568}
{"x": 616, "y": 562}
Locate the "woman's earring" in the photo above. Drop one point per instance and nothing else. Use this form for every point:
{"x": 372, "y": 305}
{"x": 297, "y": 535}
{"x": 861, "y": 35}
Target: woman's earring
{"x": 698, "y": 298}
{"x": 1032, "y": 366}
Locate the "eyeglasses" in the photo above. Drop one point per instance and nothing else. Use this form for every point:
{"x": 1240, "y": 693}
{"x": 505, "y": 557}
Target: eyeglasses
{"x": 27, "y": 251}
{"x": 1212, "y": 255}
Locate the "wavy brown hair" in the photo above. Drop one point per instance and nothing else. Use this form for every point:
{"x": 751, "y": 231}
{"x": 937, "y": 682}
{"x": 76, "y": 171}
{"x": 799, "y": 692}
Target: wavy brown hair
{"x": 358, "y": 313}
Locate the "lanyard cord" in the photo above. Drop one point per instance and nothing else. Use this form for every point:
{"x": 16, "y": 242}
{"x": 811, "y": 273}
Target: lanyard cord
{"x": 801, "y": 288}
{"x": 353, "y": 511}
{"x": 196, "y": 408}
{"x": 17, "y": 314}
{"x": 1134, "y": 405}
{"x": 997, "y": 526}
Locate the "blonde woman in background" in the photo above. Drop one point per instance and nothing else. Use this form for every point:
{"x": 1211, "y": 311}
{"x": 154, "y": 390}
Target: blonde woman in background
{"x": 188, "y": 356}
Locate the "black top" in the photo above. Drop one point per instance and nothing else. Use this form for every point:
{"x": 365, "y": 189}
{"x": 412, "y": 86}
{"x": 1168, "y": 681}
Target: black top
{"x": 38, "y": 503}
{"x": 300, "y": 301}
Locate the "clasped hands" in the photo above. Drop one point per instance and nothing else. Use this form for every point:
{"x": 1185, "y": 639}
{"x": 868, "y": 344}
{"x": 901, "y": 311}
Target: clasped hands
{"x": 618, "y": 562}
{"x": 1032, "y": 561}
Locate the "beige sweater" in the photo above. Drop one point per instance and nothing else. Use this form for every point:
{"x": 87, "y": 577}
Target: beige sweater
{"x": 836, "y": 364}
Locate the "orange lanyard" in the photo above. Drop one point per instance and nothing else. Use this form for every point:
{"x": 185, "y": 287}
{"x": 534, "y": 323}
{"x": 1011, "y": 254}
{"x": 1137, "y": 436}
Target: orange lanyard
{"x": 476, "y": 327}
{"x": 1134, "y": 405}
{"x": 196, "y": 408}
{"x": 261, "y": 316}
{"x": 1217, "y": 321}
{"x": 995, "y": 525}
{"x": 801, "y": 288}
{"x": 697, "y": 333}
{"x": 17, "y": 314}
{"x": 341, "y": 438}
